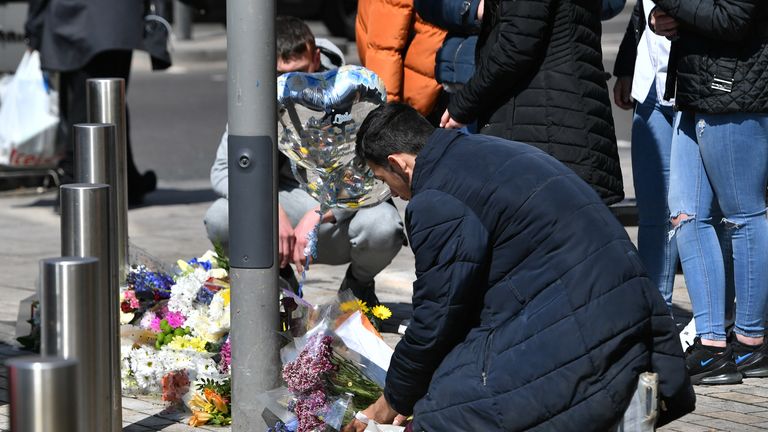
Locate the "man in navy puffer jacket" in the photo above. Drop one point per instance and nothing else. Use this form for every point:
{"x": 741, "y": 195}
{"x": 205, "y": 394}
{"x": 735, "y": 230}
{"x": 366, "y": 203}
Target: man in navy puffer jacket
{"x": 531, "y": 309}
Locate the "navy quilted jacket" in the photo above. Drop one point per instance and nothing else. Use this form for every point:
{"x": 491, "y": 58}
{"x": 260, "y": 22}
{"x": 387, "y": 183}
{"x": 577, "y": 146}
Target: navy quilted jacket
{"x": 719, "y": 63}
{"x": 540, "y": 80}
{"x": 531, "y": 309}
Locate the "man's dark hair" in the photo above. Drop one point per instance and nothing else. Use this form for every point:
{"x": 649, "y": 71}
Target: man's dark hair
{"x": 389, "y": 129}
{"x": 292, "y": 37}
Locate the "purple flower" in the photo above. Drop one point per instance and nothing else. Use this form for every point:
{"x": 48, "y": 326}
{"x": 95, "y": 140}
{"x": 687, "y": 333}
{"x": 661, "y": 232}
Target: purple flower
{"x": 205, "y": 295}
{"x": 149, "y": 285}
{"x": 226, "y": 356}
{"x": 308, "y": 372}
{"x": 206, "y": 265}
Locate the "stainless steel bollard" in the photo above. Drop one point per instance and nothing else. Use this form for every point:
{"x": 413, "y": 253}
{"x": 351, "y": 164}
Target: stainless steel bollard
{"x": 41, "y": 393}
{"x": 70, "y": 319}
{"x": 106, "y": 104}
{"x": 85, "y": 231}
{"x": 93, "y": 144}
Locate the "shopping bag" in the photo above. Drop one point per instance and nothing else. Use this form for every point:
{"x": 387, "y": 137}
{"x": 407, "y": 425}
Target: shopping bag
{"x": 29, "y": 118}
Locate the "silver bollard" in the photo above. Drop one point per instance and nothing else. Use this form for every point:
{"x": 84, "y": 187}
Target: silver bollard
{"x": 85, "y": 231}
{"x": 106, "y": 104}
{"x": 93, "y": 144}
{"x": 41, "y": 390}
{"x": 69, "y": 323}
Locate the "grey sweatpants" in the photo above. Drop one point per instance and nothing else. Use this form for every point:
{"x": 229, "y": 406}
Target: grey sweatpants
{"x": 368, "y": 240}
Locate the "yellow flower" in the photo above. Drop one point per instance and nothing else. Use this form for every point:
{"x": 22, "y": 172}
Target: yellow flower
{"x": 181, "y": 343}
{"x": 381, "y": 312}
{"x": 225, "y": 296}
{"x": 354, "y": 305}
{"x": 201, "y": 404}
{"x": 363, "y": 307}
{"x": 199, "y": 418}
{"x": 183, "y": 266}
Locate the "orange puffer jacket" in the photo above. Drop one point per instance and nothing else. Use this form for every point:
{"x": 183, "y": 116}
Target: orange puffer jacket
{"x": 395, "y": 43}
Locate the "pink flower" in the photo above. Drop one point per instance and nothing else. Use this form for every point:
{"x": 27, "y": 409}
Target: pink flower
{"x": 130, "y": 297}
{"x": 175, "y": 319}
{"x": 155, "y": 324}
{"x": 226, "y": 356}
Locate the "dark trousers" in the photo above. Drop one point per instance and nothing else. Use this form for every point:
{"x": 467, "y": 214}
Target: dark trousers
{"x": 72, "y": 106}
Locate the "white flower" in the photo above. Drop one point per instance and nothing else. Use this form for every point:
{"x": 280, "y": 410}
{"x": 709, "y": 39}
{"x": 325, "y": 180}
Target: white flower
{"x": 184, "y": 291}
{"x": 146, "y": 320}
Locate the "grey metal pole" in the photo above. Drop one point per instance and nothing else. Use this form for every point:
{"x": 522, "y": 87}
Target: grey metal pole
{"x": 182, "y": 20}
{"x": 106, "y": 104}
{"x": 41, "y": 394}
{"x": 86, "y": 231}
{"x": 69, "y": 317}
{"x": 252, "y": 206}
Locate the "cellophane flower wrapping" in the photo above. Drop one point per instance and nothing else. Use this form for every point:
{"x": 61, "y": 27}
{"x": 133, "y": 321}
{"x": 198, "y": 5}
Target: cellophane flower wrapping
{"x": 340, "y": 361}
{"x": 175, "y": 335}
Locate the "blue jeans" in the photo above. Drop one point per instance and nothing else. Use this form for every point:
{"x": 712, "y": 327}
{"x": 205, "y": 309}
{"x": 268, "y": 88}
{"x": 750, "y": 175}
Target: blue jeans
{"x": 651, "y": 149}
{"x": 720, "y": 164}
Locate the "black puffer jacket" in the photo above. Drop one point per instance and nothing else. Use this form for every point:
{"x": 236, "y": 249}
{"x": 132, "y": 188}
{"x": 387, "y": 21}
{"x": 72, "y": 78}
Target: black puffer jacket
{"x": 719, "y": 64}
{"x": 540, "y": 80}
{"x": 625, "y": 58}
{"x": 531, "y": 309}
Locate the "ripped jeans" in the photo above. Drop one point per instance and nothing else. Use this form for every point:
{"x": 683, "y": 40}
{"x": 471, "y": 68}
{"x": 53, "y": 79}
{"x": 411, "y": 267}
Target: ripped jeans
{"x": 719, "y": 163}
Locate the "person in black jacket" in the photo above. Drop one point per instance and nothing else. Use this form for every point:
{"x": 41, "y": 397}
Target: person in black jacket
{"x": 717, "y": 74}
{"x": 82, "y": 39}
{"x": 531, "y": 308}
{"x": 539, "y": 79}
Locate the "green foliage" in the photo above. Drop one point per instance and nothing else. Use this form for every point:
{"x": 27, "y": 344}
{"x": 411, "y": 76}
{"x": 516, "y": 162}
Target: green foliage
{"x": 221, "y": 257}
{"x": 223, "y": 389}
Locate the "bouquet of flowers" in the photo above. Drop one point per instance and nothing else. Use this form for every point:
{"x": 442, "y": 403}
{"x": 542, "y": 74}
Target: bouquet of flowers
{"x": 336, "y": 368}
{"x": 175, "y": 336}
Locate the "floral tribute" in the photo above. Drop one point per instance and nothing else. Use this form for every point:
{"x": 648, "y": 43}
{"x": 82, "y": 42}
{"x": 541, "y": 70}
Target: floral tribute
{"x": 329, "y": 372}
{"x": 175, "y": 336}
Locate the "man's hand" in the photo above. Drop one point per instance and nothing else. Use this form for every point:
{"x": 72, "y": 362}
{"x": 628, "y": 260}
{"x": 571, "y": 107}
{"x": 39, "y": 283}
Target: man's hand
{"x": 286, "y": 238}
{"x": 449, "y": 123}
{"x": 307, "y": 223}
{"x": 380, "y": 412}
{"x": 663, "y": 24}
{"x": 622, "y": 92}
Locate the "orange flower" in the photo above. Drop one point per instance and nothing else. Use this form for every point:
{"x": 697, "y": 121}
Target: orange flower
{"x": 199, "y": 418}
{"x": 219, "y": 402}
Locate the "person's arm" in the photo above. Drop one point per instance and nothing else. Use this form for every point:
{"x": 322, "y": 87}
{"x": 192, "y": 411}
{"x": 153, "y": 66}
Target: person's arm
{"x": 460, "y": 16}
{"x": 624, "y": 68}
{"x": 450, "y": 246}
{"x": 716, "y": 19}
{"x": 33, "y": 28}
{"x": 523, "y": 25}
{"x": 625, "y": 58}
{"x": 388, "y": 25}
{"x": 219, "y": 170}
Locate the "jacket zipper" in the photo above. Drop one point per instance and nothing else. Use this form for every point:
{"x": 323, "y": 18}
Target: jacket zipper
{"x": 456, "y": 57}
{"x": 487, "y": 357}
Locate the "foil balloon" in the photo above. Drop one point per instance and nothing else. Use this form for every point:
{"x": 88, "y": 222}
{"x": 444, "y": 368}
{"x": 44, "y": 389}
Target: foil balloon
{"x": 318, "y": 118}
{"x": 350, "y": 186}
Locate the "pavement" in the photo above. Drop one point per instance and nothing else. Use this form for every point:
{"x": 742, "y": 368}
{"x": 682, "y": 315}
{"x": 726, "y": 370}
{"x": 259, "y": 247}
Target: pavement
{"x": 169, "y": 226}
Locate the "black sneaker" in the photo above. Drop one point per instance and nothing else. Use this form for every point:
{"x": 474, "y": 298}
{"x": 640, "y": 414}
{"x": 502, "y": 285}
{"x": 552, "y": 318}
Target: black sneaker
{"x": 365, "y": 291}
{"x": 751, "y": 361}
{"x": 711, "y": 365}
